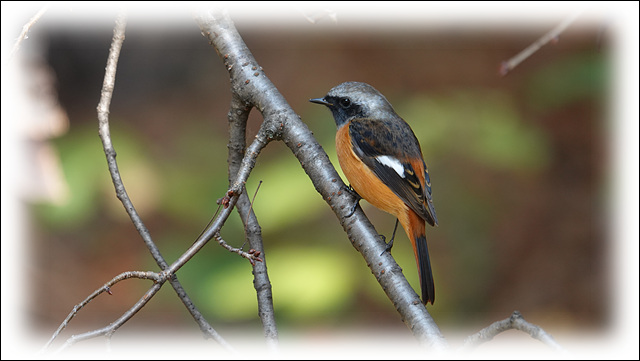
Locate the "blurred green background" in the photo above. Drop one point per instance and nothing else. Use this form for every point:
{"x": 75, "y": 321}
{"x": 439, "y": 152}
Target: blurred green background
{"x": 518, "y": 166}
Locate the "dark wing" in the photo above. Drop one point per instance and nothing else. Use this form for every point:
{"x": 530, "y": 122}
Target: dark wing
{"x": 392, "y": 152}
{"x": 429, "y": 202}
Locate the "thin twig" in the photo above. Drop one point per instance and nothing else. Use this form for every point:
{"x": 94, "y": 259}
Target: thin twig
{"x": 115, "y": 325}
{"x": 246, "y": 220}
{"x": 251, "y": 256}
{"x": 105, "y": 136}
{"x": 510, "y": 64}
{"x": 25, "y": 31}
{"x": 156, "y": 277}
{"x": 515, "y": 321}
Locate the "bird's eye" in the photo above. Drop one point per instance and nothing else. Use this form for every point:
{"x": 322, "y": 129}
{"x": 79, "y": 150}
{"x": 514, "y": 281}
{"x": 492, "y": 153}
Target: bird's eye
{"x": 345, "y": 102}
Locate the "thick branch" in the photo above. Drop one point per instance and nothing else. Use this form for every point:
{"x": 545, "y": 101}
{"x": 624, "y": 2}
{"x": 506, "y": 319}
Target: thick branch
{"x": 250, "y": 84}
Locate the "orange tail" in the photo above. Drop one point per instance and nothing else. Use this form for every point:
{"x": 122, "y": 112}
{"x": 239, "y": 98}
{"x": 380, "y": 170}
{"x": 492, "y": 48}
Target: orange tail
{"x": 417, "y": 235}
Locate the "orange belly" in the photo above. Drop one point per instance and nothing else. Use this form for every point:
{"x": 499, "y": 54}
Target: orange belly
{"x": 365, "y": 182}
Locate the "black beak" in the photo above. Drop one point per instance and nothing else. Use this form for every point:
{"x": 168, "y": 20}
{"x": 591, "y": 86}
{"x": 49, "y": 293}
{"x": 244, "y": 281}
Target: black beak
{"x": 320, "y": 101}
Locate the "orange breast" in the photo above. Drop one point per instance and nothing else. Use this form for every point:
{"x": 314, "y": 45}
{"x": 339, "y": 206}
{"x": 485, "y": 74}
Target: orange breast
{"x": 364, "y": 181}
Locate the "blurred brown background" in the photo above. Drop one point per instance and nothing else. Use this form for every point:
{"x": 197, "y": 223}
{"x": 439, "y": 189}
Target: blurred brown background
{"x": 519, "y": 166}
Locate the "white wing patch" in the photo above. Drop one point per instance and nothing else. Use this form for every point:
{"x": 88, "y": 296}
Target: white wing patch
{"x": 392, "y": 163}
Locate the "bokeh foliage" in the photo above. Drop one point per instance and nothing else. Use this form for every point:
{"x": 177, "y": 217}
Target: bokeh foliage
{"x": 481, "y": 142}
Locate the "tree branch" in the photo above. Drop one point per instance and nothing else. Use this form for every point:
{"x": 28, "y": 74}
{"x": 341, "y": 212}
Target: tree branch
{"x": 252, "y": 87}
{"x": 104, "y": 132}
{"x": 510, "y": 64}
{"x": 105, "y": 136}
{"x": 252, "y": 255}
{"x": 157, "y": 278}
{"x": 238, "y": 115}
{"x": 115, "y": 325}
{"x": 25, "y": 31}
{"x": 516, "y": 321}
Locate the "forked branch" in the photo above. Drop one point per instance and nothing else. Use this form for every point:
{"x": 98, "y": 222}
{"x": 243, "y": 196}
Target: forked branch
{"x": 515, "y": 321}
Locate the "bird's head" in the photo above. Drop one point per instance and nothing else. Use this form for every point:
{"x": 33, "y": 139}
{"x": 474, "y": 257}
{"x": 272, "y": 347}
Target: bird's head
{"x": 355, "y": 100}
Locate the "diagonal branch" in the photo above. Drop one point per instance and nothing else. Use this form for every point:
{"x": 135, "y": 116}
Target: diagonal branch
{"x": 25, "y": 31}
{"x": 510, "y": 64}
{"x": 250, "y": 84}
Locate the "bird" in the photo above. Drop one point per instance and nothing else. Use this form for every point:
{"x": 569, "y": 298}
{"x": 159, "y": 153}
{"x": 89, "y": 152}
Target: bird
{"x": 382, "y": 160}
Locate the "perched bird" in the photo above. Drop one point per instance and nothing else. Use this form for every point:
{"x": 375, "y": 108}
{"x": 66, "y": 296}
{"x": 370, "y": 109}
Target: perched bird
{"x": 382, "y": 159}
